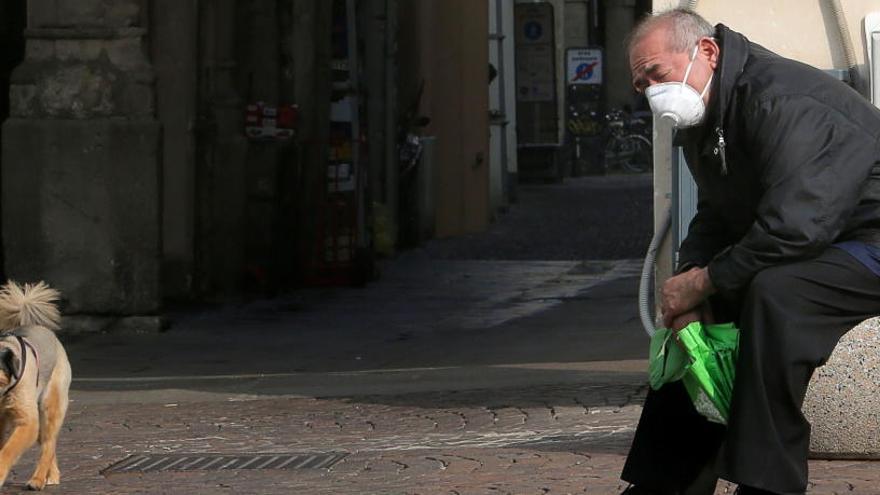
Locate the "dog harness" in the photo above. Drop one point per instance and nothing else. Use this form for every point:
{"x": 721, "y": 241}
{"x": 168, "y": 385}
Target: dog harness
{"x": 25, "y": 345}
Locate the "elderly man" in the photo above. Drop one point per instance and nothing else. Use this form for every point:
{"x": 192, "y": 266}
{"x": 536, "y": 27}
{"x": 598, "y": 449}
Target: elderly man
{"x": 786, "y": 243}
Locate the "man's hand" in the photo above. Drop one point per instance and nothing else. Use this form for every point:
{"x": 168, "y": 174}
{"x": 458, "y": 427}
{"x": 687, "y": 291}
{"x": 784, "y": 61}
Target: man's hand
{"x": 702, "y": 313}
{"x": 683, "y": 293}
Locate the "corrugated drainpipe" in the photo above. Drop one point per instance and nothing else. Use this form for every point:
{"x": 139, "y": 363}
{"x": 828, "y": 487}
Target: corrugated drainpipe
{"x": 845, "y": 40}
{"x": 645, "y": 286}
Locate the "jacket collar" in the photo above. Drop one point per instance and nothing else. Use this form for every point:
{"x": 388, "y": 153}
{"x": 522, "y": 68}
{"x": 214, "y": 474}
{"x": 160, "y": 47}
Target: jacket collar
{"x": 734, "y": 53}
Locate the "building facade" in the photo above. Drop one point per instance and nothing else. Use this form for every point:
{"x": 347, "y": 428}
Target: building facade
{"x": 159, "y": 150}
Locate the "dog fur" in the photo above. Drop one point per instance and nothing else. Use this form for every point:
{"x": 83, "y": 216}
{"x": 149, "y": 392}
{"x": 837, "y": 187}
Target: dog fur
{"x": 33, "y": 408}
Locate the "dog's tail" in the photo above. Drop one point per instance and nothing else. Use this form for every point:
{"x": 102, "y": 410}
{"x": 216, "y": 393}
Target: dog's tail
{"x": 32, "y": 304}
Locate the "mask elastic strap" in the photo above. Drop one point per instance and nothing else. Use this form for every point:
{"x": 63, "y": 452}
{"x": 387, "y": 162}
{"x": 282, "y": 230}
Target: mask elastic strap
{"x": 708, "y": 84}
{"x": 690, "y": 66}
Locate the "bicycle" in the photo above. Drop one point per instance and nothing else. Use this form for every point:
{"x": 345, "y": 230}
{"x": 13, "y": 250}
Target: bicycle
{"x": 628, "y": 146}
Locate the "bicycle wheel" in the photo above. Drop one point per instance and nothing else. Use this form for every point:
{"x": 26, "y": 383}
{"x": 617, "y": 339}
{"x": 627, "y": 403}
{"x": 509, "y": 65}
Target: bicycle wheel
{"x": 634, "y": 153}
{"x": 613, "y": 152}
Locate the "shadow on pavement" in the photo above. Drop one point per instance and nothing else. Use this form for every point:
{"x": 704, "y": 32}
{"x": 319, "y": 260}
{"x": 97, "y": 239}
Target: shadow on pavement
{"x": 295, "y": 353}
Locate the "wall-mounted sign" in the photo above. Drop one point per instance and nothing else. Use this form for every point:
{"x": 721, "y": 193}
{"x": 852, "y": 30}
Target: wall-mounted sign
{"x": 535, "y": 53}
{"x": 537, "y": 98}
{"x": 270, "y": 122}
{"x": 534, "y": 23}
{"x": 584, "y": 66}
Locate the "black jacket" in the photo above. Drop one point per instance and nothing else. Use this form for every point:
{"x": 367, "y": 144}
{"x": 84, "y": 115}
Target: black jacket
{"x": 787, "y": 163}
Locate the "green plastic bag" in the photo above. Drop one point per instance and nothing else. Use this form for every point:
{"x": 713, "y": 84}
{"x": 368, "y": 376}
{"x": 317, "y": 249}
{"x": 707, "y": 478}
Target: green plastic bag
{"x": 704, "y": 359}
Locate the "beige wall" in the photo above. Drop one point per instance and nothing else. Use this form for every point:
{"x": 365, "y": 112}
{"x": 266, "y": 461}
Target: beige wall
{"x": 444, "y": 43}
{"x": 797, "y": 29}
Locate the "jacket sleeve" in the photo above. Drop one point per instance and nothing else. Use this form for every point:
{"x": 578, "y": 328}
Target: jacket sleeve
{"x": 814, "y": 161}
{"x": 705, "y": 237}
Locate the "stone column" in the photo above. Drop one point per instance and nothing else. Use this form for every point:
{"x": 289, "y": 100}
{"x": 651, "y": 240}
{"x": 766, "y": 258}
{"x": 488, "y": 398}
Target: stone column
{"x": 619, "y": 21}
{"x": 222, "y": 178}
{"x": 312, "y": 53}
{"x": 174, "y": 40}
{"x": 81, "y": 160}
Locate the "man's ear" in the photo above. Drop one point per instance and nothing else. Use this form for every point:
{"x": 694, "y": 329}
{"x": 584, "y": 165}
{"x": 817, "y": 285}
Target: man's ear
{"x": 10, "y": 362}
{"x": 710, "y": 50}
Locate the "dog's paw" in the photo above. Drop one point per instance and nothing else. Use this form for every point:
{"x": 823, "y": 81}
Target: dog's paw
{"x": 54, "y": 477}
{"x": 36, "y": 484}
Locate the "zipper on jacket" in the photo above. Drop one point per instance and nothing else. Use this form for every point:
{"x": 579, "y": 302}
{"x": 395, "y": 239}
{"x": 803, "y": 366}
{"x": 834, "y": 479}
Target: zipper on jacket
{"x": 719, "y": 150}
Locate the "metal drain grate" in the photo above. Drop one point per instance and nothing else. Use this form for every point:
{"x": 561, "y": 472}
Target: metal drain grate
{"x": 145, "y": 463}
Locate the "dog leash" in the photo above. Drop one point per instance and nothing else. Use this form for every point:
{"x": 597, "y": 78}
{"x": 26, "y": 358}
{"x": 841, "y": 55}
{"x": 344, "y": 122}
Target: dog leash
{"x": 24, "y": 346}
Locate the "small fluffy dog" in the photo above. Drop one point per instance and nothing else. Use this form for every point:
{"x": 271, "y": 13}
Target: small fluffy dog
{"x": 34, "y": 379}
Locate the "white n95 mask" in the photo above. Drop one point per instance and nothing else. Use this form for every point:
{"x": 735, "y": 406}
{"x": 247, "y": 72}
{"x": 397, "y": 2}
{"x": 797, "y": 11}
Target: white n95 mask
{"x": 678, "y": 101}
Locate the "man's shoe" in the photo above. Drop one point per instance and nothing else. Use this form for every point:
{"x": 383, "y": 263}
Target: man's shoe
{"x": 747, "y": 490}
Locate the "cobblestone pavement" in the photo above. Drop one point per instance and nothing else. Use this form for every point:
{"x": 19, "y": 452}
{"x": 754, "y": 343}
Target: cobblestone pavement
{"x": 536, "y": 440}
{"x": 552, "y": 439}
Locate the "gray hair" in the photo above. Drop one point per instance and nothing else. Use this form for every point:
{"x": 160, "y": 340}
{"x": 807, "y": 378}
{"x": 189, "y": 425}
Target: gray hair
{"x": 685, "y": 27}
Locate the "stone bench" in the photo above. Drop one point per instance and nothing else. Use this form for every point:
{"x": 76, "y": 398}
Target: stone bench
{"x": 843, "y": 399}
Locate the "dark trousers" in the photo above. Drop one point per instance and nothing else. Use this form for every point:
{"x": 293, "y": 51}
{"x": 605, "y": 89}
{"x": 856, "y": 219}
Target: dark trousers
{"x": 790, "y": 319}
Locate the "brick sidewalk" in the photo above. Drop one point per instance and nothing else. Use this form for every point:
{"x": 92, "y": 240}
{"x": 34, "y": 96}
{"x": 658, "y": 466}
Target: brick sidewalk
{"x": 541, "y": 440}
